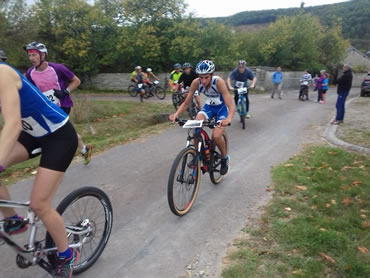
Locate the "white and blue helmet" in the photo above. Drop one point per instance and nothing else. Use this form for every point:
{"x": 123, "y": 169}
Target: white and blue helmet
{"x": 205, "y": 67}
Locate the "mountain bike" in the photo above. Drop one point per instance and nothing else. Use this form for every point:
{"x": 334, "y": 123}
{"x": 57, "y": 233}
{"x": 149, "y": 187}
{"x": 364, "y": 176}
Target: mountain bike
{"x": 156, "y": 90}
{"x": 132, "y": 90}
{"x": 242, "y": 104}
{"x": 88, "y": 218}
{"x": 178, "y": 98}
{"x": 184, "y": 179}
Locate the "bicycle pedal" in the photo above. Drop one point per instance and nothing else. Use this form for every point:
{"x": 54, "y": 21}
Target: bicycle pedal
{"x": 191, "y": 180}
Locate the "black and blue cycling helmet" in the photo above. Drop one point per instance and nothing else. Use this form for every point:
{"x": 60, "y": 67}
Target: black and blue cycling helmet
{"x": 177, "y": 66}
{"x": 3, "y": 56}
{"x": 205, "y": 67}
{"x": 186, "y": 65}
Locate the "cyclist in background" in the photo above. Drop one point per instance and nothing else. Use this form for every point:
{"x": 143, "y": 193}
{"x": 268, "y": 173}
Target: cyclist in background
{"x": 45, "y": 126}
{"x": 132, "y": 75}
{"x": 3, "y": 56}
{"x": 56, "y": 81}
{"x": 149, "y": 73}
{"x": 218, "y": 104}
{"x": 140, "y": 84}
{"x": 175, "y": 76}
{"x": 185, "y": 80}
{"x": 240, "y": 76}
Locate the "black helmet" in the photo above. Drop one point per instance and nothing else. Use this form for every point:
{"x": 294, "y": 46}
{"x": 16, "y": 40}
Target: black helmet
{"x": 3, "y": 56}
{"x": 177, "y": 66}
{"x": 186, "y": 65}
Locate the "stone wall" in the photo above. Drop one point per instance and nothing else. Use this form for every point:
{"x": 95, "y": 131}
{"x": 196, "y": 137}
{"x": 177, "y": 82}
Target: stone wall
{"x": 120, "y": 81}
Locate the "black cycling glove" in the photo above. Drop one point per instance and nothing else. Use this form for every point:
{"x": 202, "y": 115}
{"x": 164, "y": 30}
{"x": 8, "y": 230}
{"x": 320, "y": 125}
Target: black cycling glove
{"x": 61, "y": 93}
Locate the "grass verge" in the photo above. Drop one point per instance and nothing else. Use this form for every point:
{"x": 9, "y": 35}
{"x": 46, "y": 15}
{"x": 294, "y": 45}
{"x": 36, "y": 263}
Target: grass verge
{"x": 103, "y": 124}
{"x": 317, "y": 223}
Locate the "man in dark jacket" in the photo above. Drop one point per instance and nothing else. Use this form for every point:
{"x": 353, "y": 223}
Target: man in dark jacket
{"x": 344, "y": 86}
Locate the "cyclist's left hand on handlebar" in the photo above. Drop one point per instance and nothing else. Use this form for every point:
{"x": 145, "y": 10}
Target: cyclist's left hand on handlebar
{"x": 223, "y": 123}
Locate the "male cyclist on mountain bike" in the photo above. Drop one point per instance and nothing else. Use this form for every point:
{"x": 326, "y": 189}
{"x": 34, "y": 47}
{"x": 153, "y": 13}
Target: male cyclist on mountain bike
{"x": 140, "y": 84}
{"x": 218, "y": 104}
{"x": 240, "y": 77}
{"x": 175, "y": 76}
{"x": 185, "y": 80}
{"x": 149, "y": 74}
{"x": 56, "y": 81}
{"x": 45, "y": 126}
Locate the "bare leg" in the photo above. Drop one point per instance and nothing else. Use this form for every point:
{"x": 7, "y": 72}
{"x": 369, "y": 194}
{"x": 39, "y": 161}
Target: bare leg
{"x": 217, "y": 137}
{"x": 199, "y": 117}
{"x": 81, "y": 144}
{"x": 18, "y": 154}
{"x": 44, "y": 188}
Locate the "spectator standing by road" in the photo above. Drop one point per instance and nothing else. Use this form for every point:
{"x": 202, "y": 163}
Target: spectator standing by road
{"x": 277, "y": 79}
{"x": 324, "y": 88}
{"x": 344, "y": 84}
{"x": 319, "y": 85}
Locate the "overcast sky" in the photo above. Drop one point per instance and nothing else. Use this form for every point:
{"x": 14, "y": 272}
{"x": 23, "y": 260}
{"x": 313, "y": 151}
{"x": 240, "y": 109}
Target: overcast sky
{"x": 213, "y": 8}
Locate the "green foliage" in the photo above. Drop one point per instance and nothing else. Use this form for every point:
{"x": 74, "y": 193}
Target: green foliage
{"x": 117, "y": 35}
{"x": 352, "y": 15}
{"x": 295, "y": 42}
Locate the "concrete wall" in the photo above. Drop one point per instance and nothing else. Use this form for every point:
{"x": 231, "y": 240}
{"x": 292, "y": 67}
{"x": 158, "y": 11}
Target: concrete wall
{"x": 120, "y": 81}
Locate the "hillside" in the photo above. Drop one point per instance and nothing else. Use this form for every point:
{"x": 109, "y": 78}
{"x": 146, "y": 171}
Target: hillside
{"x": 354, "y": 16}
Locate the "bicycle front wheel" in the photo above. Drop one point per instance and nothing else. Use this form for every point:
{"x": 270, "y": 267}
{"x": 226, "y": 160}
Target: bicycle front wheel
{"x": 132, "y": 90}
{"x": 243, "y": 113}
{"x": 85, "y": 207}
{"x": 177, "y": 99}
{"x": 216, "y": 157}
{"x": 183, "y": 182}
{"x": 160, "y": 92}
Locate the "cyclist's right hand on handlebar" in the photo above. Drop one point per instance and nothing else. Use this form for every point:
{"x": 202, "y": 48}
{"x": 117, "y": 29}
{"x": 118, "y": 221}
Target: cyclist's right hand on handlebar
{"x": 172, "y": 117}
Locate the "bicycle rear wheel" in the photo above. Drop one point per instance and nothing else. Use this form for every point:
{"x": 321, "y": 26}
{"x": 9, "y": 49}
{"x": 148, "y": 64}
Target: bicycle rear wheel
{"x": 132, "y": 90}
{"x": 86, "y": 206}
{"x": 216, "y": 157}
{"x": 183, "y": 182}
{"x": 160, "y": 92}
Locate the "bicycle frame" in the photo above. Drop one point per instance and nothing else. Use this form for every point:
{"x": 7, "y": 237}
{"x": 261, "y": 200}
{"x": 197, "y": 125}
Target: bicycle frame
{"x": 242, "y": 101}
{"x": 32, "y": 251}
{"x": 202, "y": 137}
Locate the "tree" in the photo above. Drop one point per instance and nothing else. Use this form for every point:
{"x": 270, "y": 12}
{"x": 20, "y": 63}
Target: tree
{"x": 148, "y": 11}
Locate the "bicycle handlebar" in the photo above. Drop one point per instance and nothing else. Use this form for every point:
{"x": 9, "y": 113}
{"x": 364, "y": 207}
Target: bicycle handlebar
{"x": 209, "y": 123}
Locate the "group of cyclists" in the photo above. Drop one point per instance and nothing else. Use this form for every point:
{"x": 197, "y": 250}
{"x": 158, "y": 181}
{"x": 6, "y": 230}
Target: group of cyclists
{"x": 35, "y": 108}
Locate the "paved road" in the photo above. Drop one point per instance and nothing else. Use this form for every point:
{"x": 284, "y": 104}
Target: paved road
{"x": 147, "y": 239}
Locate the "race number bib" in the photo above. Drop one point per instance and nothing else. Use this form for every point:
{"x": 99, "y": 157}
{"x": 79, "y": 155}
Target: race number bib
{"x": 32, "y": 127}
{"x": 50, "y": 95}
{"x": 213, "y": 101}
{"x": 239, "y": 84}
{"x": 242, "y": 91}
{"x": 305, "y": 83}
